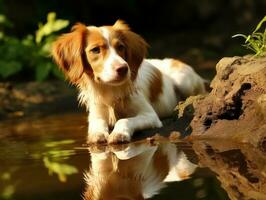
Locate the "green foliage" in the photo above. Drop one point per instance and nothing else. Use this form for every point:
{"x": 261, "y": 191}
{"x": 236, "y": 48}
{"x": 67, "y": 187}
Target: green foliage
{"x": 3, "y": 23}
{"x": 61, "y": 169}
{"x": 8, "y": 192}
{"x": 31, "y": 54}
{"x": 57, "y": 143}
{"x": 256, "y": 41}
{"x": 52, "y": 25}
{"x": 53, "y": 159}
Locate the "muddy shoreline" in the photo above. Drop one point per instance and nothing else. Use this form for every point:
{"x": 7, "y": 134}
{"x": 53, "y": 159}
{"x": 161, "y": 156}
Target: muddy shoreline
{"x": 27, "y": 99}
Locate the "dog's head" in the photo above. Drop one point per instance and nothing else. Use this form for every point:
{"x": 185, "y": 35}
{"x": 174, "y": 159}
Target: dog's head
{"x": 108, "y": 54}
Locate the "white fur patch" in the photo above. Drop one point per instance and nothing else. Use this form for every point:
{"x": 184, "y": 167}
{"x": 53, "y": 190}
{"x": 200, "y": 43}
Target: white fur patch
{"x": 109, "y": 73}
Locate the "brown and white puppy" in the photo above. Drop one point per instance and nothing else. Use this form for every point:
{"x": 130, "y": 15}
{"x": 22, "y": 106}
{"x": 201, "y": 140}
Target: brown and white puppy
{"x": 121, "y": 89}
{"x": 137, "y": 172}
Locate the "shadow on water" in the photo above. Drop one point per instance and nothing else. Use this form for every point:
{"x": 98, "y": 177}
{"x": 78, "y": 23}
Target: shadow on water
{"x": 48, "y": 158}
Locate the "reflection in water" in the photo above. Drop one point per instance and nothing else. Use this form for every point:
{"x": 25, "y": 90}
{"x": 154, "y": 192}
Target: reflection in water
{"x": 137, "y": 171}
{"x": 38, "y": 159}
{"x": 61, "y": 169}
{"x": 240, "y": 168}
{"x": 45, "y": 159}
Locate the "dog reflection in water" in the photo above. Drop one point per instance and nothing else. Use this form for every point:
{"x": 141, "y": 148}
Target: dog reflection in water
{"x": 138, "y": 171}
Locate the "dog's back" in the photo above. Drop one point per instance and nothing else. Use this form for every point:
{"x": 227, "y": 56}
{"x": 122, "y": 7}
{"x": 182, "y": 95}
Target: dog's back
{"x": 186, "y": 80}
{"x": 164, "y": 82}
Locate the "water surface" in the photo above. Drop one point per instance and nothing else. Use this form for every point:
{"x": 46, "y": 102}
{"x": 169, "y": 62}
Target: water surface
{"x": 47, "y": 158}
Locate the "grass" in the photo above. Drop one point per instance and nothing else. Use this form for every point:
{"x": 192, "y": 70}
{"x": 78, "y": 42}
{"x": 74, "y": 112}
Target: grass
{"x": 256, "y": 41}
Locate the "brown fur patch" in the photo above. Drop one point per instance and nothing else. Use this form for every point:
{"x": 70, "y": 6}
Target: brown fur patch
{"x": 184, "y": 175}
{"x": 117, "y": 40}
{"x": 120, "y": 24}
{"x": 177, "y": 63}
{"x": 136, "y": 46}
{"x": 96, "y": 39}
{"x": 68, "y": 52}
{"x": 161, "y": 163}
{"x": 156, "y": 85}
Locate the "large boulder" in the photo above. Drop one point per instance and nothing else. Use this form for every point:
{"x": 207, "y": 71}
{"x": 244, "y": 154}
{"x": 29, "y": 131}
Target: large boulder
{"x": 235, "y": 109}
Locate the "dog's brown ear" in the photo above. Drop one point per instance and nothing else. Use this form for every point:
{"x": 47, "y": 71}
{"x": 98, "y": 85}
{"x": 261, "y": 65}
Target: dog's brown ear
{"x": 136, "y": 51}
{"x": 121, "y": 25}
{"x": 68, "y": 52}
{"x": 136, "y": 46}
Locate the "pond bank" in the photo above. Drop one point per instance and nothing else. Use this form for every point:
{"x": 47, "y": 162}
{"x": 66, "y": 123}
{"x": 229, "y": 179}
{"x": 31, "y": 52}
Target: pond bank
{"x": 25, "y": 99}
{"x": 235, "y": 109}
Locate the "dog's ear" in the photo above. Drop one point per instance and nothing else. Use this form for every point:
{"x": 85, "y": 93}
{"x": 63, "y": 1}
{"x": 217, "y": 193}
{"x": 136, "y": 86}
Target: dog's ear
{"x": 121, "y": 25}
{"x": 136, "y": 46}
{"x": 69, "y": 52}
{"x": 136, "y": 51}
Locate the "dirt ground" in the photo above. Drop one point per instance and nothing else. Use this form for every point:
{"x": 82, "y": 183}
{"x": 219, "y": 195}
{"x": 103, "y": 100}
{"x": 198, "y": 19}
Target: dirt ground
{"x": 18, "y": 100}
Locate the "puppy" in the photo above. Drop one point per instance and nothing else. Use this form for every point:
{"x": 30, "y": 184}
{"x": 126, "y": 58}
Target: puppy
{"x": 120, "y": 88}
{"x": 137, "y": 172}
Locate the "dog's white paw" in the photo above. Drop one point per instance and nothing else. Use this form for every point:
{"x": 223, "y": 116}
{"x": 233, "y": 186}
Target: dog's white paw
{"x": 97, "y": 137}
{"x": 118, "y": 138}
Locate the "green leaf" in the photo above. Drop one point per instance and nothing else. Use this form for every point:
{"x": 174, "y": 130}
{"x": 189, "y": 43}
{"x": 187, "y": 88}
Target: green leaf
{"x": 8, "y": 191}
{"x": 8, "y": 68}
{"x": 61, "y": 169}
{"x": 256, "y": 41}
{"x": 28, "y": 40}
{"x": 247, "y": 39}
{"x": 52, "y": 25}
{"x": 42, "y": 71}
{"x": 59, "y": 143}
{"x": 4, "y": 21}
{"x": 60, "y": 153}
{"x": 46, "y": 48}
{"x": 239, "y": 35}
{"x": 2, "y": 35}
{"x": 58, "y": 73}
{"x": 260, "y": 23}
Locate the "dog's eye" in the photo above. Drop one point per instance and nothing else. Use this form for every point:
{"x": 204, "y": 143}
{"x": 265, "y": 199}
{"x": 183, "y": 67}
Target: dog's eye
{"x": 95, "y": 50}
{"x": 120, "y": 47}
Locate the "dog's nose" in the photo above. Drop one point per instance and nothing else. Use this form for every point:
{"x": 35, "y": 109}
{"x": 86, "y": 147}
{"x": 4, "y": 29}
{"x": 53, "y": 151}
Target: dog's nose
{"x": 122, "y": 70}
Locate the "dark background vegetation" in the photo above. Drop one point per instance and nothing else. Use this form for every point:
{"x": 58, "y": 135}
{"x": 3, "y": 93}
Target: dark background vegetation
{"x": 199, "y": 32}
{"x": 144, "y": 15}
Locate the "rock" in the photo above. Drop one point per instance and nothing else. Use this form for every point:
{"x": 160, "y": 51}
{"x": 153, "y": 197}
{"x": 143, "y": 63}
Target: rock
{"x": 235, "y": 109}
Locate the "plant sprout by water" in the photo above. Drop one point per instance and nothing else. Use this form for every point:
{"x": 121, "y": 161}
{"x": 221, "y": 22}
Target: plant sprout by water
{"x": 256, "y": 41}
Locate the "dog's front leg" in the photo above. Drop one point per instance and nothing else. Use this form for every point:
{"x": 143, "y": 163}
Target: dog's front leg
{"x": 98, "y": 130}
{"x": 146, "y": 118}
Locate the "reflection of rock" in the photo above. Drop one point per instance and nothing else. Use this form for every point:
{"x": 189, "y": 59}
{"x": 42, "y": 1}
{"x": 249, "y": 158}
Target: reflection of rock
{"x": 236, "y": 106}
{"x": 240, "y": 168}
{"x": 136, "y": 171}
